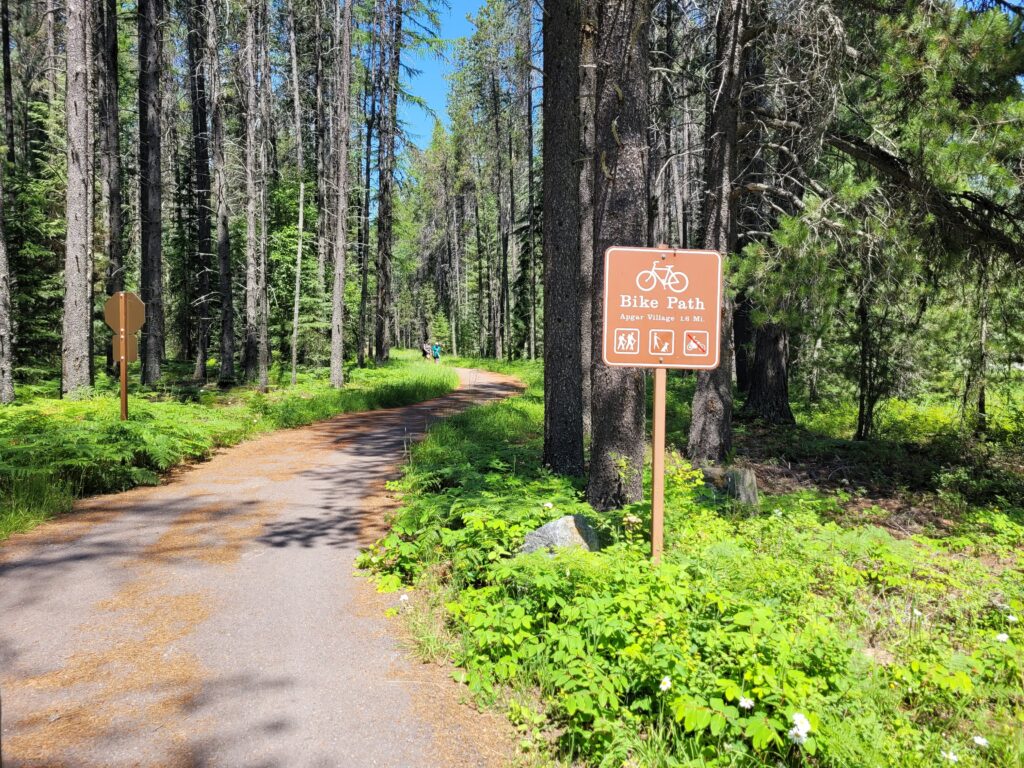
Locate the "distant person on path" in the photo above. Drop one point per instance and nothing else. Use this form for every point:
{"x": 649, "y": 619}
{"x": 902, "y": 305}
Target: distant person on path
{"x": 425, "y": 349}
{"x": 436, "y": 350}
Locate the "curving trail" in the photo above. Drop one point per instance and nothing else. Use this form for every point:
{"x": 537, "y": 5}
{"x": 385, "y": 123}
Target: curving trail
{"x": 216, "y": 620}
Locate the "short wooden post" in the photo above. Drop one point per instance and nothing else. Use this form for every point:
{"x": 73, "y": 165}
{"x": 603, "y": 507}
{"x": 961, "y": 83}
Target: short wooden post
{"x": 123, "y": 353}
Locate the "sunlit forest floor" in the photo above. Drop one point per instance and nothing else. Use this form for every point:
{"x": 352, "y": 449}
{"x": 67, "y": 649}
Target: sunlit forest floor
{"x": 868, "y": 614}
{"x": 924, "y": 471}
{"x": 53, "y": 451}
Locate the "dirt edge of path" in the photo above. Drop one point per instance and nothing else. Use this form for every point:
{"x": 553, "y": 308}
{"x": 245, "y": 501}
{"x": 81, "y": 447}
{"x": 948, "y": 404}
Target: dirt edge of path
{"x": 437, "y": 697}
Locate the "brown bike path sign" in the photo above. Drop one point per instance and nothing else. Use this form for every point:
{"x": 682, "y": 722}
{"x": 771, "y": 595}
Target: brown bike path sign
{"x": 662, "y": 308}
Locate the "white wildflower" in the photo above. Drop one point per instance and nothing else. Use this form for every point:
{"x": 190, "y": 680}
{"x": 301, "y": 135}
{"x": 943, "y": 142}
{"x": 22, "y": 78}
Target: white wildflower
{"x": 951, "y": 756}
{"x": 1011, "y": 618}
{"x": 801, "y": 727}
{"x": 980, "y": 741}
{"x": 403, "y": 599}
{"x": 1002, "y": 637}
{"x": 918, "y": 613}
{"x": 666, "y": 683}
{"x": 548, "y": 505}
{"x": 631, "y": 520}
{"x": 746, "y": 703}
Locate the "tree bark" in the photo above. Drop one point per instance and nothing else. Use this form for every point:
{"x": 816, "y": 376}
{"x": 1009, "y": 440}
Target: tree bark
{"x": 5, "y": 40}
{"x": 620, "y": 217}
{"x": 266, "y": 172}
{"x": 226, "y": 374}
{"x": 250, "y": 352}
{"x": 201, "y": 180}
{"x": 150, "y": 213}
{"x": 77, "y": 322}
{"x": 588, "y": 106}
{"x": 563, "y": 321}
{"x": 6, "y": 325}
{"x": 300, "y": 169}
{"x": 343, "y": 30}
{"x": 711, "y": 423}
{"x": 385, "y": 204}
{"x": 110, "y": 152}
{"x": 372, "y": 99}
{"x": 768, "y": 396}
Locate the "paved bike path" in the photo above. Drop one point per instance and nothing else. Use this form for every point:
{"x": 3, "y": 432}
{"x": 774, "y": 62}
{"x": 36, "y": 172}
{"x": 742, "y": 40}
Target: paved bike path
{"x": 216, "y": 620}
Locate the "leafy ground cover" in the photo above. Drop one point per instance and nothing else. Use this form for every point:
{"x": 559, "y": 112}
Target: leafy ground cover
{"x": 53, "y": 451}
{"x": 796, "y": 636}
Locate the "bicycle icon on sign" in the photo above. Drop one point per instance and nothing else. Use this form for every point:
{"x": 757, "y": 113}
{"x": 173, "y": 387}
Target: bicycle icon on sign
{"x": 666, "y": 276}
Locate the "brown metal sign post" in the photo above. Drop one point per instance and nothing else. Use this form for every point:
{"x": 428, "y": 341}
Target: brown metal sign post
{"x": 662, "y": 309}
{"x": 125, "y": 313}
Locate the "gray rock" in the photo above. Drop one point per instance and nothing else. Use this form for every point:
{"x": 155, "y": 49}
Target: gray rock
{"x": 568, "y": 531}
{"x": 738, "y": 482}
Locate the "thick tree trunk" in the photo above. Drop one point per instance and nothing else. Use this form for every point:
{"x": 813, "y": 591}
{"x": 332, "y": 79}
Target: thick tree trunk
{"x": 385, "y": 205}
{"x": 226, "y": 374}
{"x": 343, "y": 31}
{"x": 620, "y": 217}
{"x": 77, "y": 323}
{"x": 110, "y": 152}
{"x": 6, "y": 325}
{"x": 300, "y": 169}
{"x": 563, "y": 321}
{"x": 768, "y": 396}
{"x": 711, "y": 424}
{"x": 201, "y": 181}
{"x": 150, "y": 210}
{"x": 588, "y": 106}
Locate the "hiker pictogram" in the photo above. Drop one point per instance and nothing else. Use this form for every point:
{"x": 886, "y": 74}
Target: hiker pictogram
{"x": 695, "y": 343}
{"x": 662, "y": 341}
{"x": 627, "y": 341}
{"x": 666, "y": 276}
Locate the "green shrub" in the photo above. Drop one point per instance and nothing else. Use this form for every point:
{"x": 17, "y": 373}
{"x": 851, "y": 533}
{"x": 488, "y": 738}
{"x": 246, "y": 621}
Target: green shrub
{"x": 894, "y": 651}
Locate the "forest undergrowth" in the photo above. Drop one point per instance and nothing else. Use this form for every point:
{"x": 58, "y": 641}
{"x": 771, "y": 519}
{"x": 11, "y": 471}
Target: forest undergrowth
{"x": 799, "y": 634}
{"x": 54, "y": 450}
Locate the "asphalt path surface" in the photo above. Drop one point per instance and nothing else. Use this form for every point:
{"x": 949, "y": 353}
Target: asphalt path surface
{"x": 216, "y": 620}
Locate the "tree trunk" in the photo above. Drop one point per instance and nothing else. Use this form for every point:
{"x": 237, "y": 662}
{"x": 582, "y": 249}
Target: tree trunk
{"x": 373, "y": 72}
{"x": 77, "y": 323}
{"x": 620, "y": 217}
{"x": 6, "y": 330}
{"x": 768, "y": 397}
{"x": 322, "y": 175}
{"x": 385, "y": 205}
{"x": 563, "y": 321}
{"x": 5, "y": 40}
{"x": 480, "y": 318}
{"x": 498, "y": 319}
{"x": 588, "y": 107}
{"x": 711, "y": 423}
{"x": 300, "y": 168}
{"x": 150, "y": 209}
{"x": 201, "y": 180}
{"x": 226, "y": 374}
{"x": 343, "y": 30}
{"x": 250, "y": 353}
{"x": 265, "y": 174}
{"x": 110, "y": 152}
